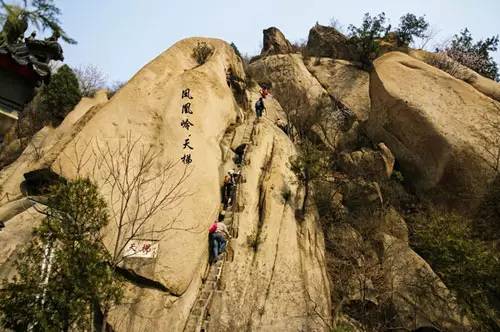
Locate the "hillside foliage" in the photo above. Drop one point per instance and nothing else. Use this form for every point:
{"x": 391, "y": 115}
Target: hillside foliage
{"x": 61, "y": 95}
{"x": 63, "y": 276}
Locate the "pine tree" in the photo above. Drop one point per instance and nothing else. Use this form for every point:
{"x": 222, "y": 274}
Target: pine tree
{"x": 411, "y": 26}
{"x": 64, "y": 272}
{"x": 41, "y": 14}
{"x": 61, "y": 95}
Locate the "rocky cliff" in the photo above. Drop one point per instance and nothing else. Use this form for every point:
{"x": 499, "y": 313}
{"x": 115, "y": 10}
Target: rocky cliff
{"x": 284, "y": 270}
{"x": 148, "y": 112}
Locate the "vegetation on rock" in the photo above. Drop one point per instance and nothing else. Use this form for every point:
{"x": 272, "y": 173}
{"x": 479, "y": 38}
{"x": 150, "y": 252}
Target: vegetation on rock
{"x": 310, "y": 165}
{"x": 365, "y": 37}
{"x": 442, "y": 61}
{"x": 236, "y": 50}
{"x": 90, "y": 79}
{"x": 42, "y": 14}
{"x": 202, "y": 52}
{"x": 411, "y": 26}
{"x": 63, "y": 274}
{"x": 474, "y": 55}
{"x": 467, "y": 265}
{"x": 61, "y": 95}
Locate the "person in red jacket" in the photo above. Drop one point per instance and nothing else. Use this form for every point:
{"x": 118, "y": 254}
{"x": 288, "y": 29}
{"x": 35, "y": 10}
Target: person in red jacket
{"x": 264, "y": 92}
{"x": 217, "y": 233}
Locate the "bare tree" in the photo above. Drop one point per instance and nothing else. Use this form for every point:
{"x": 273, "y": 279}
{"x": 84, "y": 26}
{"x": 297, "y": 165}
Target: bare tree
{"x": 138, "y": 185}
{"x": 307, "y": 115}
{"x": 114, "y": 87}
{"x": 442, "y": 61}
{"x": 337, "y": 25}
{"x": 424, "y": 42}
{"x": 138, "y": 190}
{"x": 90, "y": 79}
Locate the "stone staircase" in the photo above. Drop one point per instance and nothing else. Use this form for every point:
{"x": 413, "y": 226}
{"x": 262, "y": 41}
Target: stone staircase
{"x": 248, "y": 134}
{"x": 199, "y": 316}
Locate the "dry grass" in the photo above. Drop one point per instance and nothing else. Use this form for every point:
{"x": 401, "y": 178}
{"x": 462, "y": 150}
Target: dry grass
{"x": 442, "y": 61}
{"x": 202, "y": 52}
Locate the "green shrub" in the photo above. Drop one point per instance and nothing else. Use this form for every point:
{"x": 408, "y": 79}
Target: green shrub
{"x": 202, "y": 52}
{"x": 487, "y": 225}
{"x": 310, "y": 165}
{"x": 467, "y": 265}
{"x": 63, "y": 297}
{"x": 410, "y": 27}
{"x": 330, "y": 209}
{"x": 365, "y": 38}
{"x": 61, "y": 95}
{"x": 236, "y": 50}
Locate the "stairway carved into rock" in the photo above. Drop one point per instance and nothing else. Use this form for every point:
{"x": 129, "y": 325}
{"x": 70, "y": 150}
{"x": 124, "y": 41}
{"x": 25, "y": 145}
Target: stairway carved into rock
{"x": 199, "y": 317}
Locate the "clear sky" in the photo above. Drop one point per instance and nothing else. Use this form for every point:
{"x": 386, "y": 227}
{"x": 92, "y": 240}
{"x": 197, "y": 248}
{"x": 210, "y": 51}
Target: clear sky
{"x": 120, "y": 36}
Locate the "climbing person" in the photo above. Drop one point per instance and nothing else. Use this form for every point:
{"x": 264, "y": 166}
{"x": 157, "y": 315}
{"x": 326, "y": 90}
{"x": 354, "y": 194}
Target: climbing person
{"x": 259, "y": 107}
{"x": 234, "y": 176}
{"x": 264, "y": 91}
{"x": 222, "y": 215}
{"x": 218, "y": 235}
{"x": 230, "y": 181}
{"x": 227, "y": 190}
{"x": 239, "y": 152}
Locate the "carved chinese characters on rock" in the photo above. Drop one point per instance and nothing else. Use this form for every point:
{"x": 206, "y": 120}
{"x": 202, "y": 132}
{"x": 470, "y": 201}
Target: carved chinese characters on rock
{"x": 186, "y": 124}
{"x": 141, "y": 249}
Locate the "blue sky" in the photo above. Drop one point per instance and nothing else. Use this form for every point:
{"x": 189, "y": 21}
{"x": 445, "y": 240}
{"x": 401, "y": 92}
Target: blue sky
{"x": 120, "y": 36}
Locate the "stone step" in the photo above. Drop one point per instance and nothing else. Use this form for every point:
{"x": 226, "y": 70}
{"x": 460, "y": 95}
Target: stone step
{"x": 205, "y": 295}
{"x": 190, "y": 326}
{"x": 196, "y": 312}
{"x": 204, "y": 325}
{"x": 212, "y": 278}
{"x": 211, "y": 284}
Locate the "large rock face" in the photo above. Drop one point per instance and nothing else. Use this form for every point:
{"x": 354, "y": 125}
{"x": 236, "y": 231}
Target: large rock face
{"x": 295, "y": 87}
{"x": 286, "y": 73}
{"x": 420, "y": 298}
{"x": 432, "y": 123}
{"x": 326, "y": 41}
{"x": 345, "y": 82}
{"x": 46, "y": 146}
{"x": 482, "y": 84}
{"x": 367, "y": 163}
{"x": 275, "y": 43}
{"x": 148, "y": 111}
{"x": 18, "y": 230}
{"x": 277, "y": 277}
